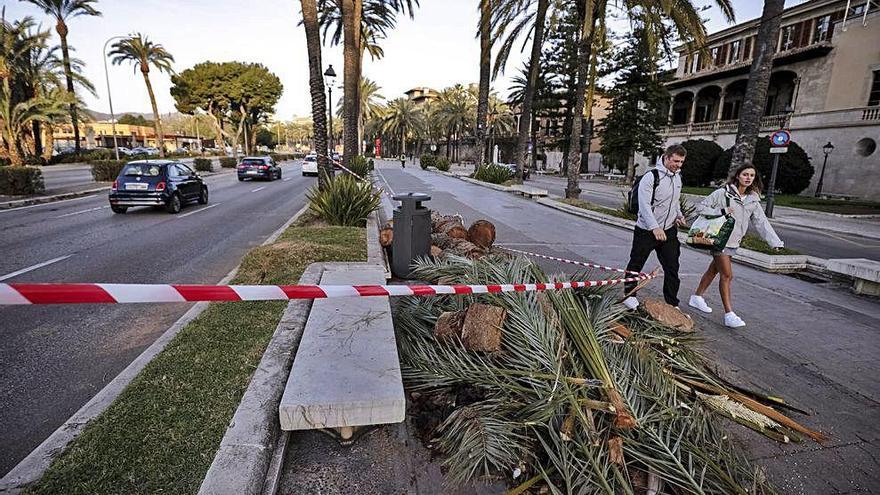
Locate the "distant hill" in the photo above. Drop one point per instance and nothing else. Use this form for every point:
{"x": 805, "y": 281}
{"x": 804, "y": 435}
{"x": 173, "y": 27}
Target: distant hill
{"x": 99, "y": 116}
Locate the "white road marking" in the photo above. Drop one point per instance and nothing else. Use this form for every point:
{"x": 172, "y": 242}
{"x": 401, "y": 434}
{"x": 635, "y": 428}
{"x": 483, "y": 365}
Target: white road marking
{"x": 6, "y": 210}
{"x": 82, "y": 211}
{"x": 287, "y": 179}
{"x": 200, "y": 209}
{"x": 258, "y": 189}
{"x": 387, "y": 185}
{"x": 34, "y": 267}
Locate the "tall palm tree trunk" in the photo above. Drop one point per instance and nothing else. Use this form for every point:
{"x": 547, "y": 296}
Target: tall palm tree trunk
{"x": 316, "y": 89}
{"x": 61, "y": 28}
{"x": 351, "y": 21}
{"x": 158, "y": 119}
{"x": 529, "y": 93}
{"x": 38, "y": 138}
{"x": 485, "y": 63}
{"x": 48, "y": 142}
{"x": 585, "y": 46}
{"x": 759, "y": 80}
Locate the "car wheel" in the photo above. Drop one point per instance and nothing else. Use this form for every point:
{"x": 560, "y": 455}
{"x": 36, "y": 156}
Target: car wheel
{"x": 203, "y": 196}
{"x": 279, "y": 174}
{"x": 240, "y": 178}
{"x": 174, "y": 204}
{"x": 118, "y": 209}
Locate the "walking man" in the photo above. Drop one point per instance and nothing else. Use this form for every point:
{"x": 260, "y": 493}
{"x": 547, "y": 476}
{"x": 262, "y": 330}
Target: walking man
{"x": 403, "y": 160}
{"x": 656, "y": 230}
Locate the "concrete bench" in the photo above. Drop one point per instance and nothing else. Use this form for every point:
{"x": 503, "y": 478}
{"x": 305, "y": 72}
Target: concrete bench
{"x": 346, "y": 372}
{"x": 614, "y": 176}
{"x": 528, "y": 191}
{"x": 845, "y": 197}
{"x": 864, "y": 272}
{"x": 587, "y": 176}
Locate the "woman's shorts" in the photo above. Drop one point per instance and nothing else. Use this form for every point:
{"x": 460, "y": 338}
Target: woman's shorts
{"x": 728, "y": 251}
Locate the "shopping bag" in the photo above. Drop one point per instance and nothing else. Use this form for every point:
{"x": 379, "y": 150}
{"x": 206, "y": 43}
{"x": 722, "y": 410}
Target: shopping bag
{"x": 710, "y": 232}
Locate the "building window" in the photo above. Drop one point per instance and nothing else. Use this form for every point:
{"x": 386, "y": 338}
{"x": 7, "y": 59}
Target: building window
{"x": 695, "y": 63}
{"x": 823, "y": 29}
{"x": 733, "y": 54}
{"x": 790, "y": 35}
{"x": 874, "y": 96}
{"x": 857, "y": 10}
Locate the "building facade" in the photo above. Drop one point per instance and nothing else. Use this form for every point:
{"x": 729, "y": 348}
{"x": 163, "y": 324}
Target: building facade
{"x": 824, "y": 87}
{"x": 100, "y": 135}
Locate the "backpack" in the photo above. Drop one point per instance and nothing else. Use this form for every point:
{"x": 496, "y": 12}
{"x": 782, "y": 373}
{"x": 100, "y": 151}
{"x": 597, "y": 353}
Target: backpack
{"x": 632, "y": 199}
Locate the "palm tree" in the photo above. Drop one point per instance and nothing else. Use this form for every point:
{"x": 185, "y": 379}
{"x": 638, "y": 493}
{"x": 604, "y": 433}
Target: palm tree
{"x": 402, "y": 119}
{"x": 142, "y": 53}
{"x": 759, "y": 81}
{"x": 16, "y": 118}
{"x": 485, "y": 35}
{"x": 316, "y": 89}
{"x": 61, "y": 11}
{"x": 456, "y": 111}
{"x": 352, "y": 11}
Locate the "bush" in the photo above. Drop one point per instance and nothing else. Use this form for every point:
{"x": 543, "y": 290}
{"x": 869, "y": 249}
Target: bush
{"x": 107, "y": 170}
{"x": 359, "y": 166}
{"x": 84, "y": 156}
{"x": 21, "y": 180}
{"x": 700, "y": 161}
{"x": 441, "y": 163}
{"x": 345, "y": 201}
{"x": 203, "y": 164}
{"x": 792, "y": 176}
{"x": 492, "y": 173}
{"x": 426, "y": 161}
{"x": 228, "y": 162}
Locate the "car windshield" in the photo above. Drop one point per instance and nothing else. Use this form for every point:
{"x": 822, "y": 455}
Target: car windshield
{"x": 141, "y": 169}
{"x": 252, "y": 161}
{"x": 311, "y": 159}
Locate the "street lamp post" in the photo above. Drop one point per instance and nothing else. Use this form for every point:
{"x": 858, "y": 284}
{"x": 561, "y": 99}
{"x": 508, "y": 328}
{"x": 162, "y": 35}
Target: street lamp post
{"x": 109, "y": 98}
{"x": 330, "y": 76}
{"x": 827, "y": 149}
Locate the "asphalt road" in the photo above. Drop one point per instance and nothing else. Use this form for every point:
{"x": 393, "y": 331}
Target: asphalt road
{"x": 807, "y": 241}
{"x": 53, "y": 359}
{"x": 814, "y": 344}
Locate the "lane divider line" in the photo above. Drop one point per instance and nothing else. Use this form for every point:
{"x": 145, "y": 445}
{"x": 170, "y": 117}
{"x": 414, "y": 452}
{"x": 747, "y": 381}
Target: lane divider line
{"x": 34, "y": 267}
{"x": 199, "y": 210}
{"x": 51, "y": 203}
{"x": 258, "y": 189}
{"x": 82, "y": 211}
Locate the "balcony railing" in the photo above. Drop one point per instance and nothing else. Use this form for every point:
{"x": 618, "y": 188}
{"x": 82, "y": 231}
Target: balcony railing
{"x": 833, "y": 118}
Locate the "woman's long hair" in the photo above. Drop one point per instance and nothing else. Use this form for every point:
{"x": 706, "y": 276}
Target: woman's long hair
{"x": 757, "y": 184}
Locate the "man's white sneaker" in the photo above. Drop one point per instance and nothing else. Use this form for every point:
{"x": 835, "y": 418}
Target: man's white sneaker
{"x": 631, "y": 302}
{"x": 733, "y": 321}
{"x": 699, "y": 303}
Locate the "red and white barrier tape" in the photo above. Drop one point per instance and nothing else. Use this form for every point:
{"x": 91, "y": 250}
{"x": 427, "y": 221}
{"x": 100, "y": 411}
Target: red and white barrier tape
{"x": 11, "y": 294}
{"x": 563, "y": 260}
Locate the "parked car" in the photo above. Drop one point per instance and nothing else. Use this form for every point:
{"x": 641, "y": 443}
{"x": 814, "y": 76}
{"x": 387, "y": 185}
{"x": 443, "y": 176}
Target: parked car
{"x": 310, "y": 165}
{"x": 258, "y": 167}
{"x": 157, "y": 183}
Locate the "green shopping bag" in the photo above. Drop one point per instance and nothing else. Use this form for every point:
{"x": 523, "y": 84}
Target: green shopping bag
{"x": 711, "y": 232}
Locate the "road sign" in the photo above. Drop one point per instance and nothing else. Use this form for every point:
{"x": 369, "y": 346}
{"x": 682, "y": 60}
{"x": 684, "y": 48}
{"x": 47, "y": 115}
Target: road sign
{"x": 780, "y": 138}
{"x": 774, "y": 149}
{"x": 433, "y": 147}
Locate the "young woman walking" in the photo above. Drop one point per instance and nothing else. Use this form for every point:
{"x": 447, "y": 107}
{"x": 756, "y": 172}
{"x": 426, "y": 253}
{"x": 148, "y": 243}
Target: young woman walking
{"x": 739, "y": 198}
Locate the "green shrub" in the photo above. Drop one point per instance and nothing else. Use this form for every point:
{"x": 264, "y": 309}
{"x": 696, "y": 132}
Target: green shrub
{"x": 700, "y": 161}
{"x": 203, "y": 164}
{"x": 359, "y": 166}
{"x": 441, "y": 163}
{"x": 427, "y": 160}
{"x": 492, "y": 173}
{"x": 107, "y": 170}
{"x": 792, "y": 176}
{"x": 21, "y": 180}
{"x": 84, "y": 156}
{"x": 345, "y": 201}
{"x": 228, "y": 162}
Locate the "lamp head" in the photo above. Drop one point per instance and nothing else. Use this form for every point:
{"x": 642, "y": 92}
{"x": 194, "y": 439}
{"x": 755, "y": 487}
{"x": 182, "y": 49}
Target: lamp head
{"x": 828, "y": 148}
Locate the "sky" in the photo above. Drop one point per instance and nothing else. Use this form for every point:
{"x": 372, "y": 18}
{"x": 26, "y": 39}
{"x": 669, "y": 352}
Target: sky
{"x": 436, "y": 49}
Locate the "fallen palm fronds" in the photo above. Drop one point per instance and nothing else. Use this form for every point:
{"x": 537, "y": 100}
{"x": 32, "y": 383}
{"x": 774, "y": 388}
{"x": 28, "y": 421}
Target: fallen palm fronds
{"x": 580, "y": 398}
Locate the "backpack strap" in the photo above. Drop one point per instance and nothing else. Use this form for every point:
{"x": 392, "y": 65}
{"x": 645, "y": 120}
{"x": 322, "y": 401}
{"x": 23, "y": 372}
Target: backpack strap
{"x": 656, "y": 183}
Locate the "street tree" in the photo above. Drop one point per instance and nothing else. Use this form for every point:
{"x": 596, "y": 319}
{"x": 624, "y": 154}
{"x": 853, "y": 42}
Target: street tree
{"x": 759, "y": 81}
{"x": 61, "y": 11}
{"x": 316, "y": 89}
{"x": 403, "y": 119}
{"x": 142, "y": 53}
{"x": 484, "y": 34}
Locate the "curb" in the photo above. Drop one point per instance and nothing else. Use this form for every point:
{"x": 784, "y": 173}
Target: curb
{"x": 32, "y": 467}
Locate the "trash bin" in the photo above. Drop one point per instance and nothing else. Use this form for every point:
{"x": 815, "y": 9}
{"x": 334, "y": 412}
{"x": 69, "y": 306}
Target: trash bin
{"x": 412, "y": 232}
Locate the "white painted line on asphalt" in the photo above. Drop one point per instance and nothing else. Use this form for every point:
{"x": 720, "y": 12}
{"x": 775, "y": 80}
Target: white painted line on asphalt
{"x": 287, "y": 179}
{"x": 34, "y": 267}
{"x": 200, "y": 209}
{"x": 82, "y": 211}
{"x": 387, "y": 185}
{"x": 6, "y": 210}
{"x": 258, "y": 189}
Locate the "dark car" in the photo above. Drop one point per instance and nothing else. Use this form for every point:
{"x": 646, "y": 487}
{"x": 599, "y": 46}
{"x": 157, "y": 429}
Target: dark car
{"x": 157, "y": 183}
{"x": 258, "y": 167}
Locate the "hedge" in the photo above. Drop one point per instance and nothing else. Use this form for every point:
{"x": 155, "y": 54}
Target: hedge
{"x": 21, "y": 180}
{"x": 442, "y": 164}
{"x": 202, "y": 164}
{"x": 699, "y": 164}
{"x": 792, "y": 176}
{"x": 427, "y": 160}
{"x": 107, "y": 170}
{"x": 228, "y": 162}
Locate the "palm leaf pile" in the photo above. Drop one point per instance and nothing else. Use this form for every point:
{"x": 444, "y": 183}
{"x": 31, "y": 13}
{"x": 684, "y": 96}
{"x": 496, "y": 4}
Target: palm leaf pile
{"x": 581, "y": 397}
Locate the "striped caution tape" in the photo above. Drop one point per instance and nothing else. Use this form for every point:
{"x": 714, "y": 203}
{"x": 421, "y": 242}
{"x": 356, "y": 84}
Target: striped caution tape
{"x": 571, "y": 262}
{"x": 11, "y": 294}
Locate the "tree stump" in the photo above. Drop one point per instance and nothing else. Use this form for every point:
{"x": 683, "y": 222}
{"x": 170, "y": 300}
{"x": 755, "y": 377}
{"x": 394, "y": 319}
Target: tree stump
{"x": 481, "y": 331}
{"x": 386, "y": 236}
{"x": 482, "y": 233}
{"x": 436, "y": 251}
{"x": 668, "y": 315}
{"x": 448, "y": 326}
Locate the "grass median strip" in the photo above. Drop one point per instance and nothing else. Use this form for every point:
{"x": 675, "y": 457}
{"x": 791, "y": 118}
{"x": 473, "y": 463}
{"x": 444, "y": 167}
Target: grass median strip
{"x": 586, "y": 205}
{"x": 161, "y": 433}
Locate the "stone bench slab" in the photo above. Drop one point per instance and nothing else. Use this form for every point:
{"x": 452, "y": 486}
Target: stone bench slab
{"x": 864, "y": 272}
{"x": 346, "y": 371}
{"x": 528, "y": 190}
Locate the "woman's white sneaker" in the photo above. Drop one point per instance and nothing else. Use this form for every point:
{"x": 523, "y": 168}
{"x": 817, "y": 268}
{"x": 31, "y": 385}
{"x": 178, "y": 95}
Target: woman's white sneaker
{"x": 699, "y": 303}
{"x": 733, "y": 321}
{"x": 631, "y": 302}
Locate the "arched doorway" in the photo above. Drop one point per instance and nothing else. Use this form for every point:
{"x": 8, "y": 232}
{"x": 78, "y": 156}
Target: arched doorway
{"x": 734, "y": 94}
{"x": 681, "y": 107}
{"x": 708, "y": 99}
{"x": 780, "y": 93}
